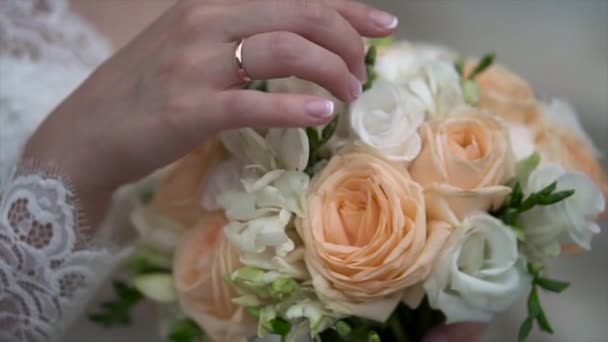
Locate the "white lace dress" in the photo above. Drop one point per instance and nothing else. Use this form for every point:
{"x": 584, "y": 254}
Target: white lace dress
{"x": 49, "y": 261}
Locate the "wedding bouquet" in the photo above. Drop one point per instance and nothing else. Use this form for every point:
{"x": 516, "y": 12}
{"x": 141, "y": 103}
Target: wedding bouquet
{"x": 436, "y": 197}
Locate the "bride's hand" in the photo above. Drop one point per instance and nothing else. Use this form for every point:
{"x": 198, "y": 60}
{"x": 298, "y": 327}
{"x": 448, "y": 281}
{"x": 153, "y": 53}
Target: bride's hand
{"x": 177, "y": 84}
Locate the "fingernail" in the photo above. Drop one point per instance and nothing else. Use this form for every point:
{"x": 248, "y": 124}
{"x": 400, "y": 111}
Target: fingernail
{"x": 362, "y": 73}
{"x": 320, "y": 108}
{"x": 355, "y": 87}
{"x": 384, "y": 20}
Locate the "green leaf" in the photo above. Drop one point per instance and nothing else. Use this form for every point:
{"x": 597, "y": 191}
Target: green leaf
{"x": 371, "y": 78}
{"x": 459, "y": 66}
{"x": 329, "y": 130}
{"x": 548, "y": 190}
{"x": 483, "y": 64}
{"x": 117, "y": 311}
{"x": 534, "y": 307}
{"x": 534, "y": 269}
{"x": 259, "y": 85}
{"x": 525, "y": 329}
{"x": 148, "y": 260}
{"x": 543, "y": 323}
{"x": 279, "y": 326}
{"x": 530, "y": 202}
{"x": 370, "y": 61}
{"x": 370, "y": 56}
{"x": 516, "y": 196}
{"x": 555, "y": 197}
{"x": 551, "y": 285}
{"x": 510, "y": 216}
{"x": 342, "y": 328}
{"x": 185, "y": 330}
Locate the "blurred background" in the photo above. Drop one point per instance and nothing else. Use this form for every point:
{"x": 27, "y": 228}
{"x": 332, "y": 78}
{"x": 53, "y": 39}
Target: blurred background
{"x": 559, "y": 46}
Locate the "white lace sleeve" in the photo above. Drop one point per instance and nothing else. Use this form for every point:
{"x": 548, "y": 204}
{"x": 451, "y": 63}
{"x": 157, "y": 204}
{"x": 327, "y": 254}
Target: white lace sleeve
{"x": 48, "y": 261}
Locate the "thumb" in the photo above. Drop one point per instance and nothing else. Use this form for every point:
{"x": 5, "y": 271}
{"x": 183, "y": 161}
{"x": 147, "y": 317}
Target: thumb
{"x": 470, "y": 332}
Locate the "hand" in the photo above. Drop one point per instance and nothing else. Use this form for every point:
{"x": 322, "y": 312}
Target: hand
{"x": 470, "y": 332}
{"x": 177, "y": 84}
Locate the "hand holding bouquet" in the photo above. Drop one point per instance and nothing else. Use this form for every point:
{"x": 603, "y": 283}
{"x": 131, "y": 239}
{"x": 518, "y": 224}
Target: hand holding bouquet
{"x": 437, "y": 196}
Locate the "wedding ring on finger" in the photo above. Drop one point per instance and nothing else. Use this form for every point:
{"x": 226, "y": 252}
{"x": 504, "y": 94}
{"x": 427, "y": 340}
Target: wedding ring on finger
{"x": 238, "y": 57}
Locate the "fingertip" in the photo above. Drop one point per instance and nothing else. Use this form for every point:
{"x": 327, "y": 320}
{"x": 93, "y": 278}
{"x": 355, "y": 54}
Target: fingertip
{"x": 470, "y": 331}
{"x": 321, "y": 109}
{"x": 383, "y": 21}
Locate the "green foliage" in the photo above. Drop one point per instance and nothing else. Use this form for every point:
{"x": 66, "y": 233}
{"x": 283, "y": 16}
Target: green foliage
{"x": 280, "y": 327}
{"x": 470, "y": 89}
{"x": 317, "y": 142}
{"x": 535, "y": 310}
{"x": 117, "y": 312}
{"x": 486, "y": 61}
{"x": 186, "y": 330}
{"x": 370, "y": 62}
{"x": 404, "y": 325}
{"x": 148, "y": 260}
{"x": 259, "y": 85}
{"x": 517, "y": 203}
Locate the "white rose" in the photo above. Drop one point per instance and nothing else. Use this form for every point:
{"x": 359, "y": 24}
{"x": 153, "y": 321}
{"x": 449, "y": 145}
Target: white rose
{"x": 573, "y": 219}
{"x": 387, "y": 118}
{"x": 478, "y": 273}
{"x": 438, "y": 87}
{"x": 403, "y": 61}
{"x": 426, "y": 72}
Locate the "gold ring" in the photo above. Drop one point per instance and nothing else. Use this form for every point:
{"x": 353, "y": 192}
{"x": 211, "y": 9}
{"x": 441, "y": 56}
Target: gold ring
{"x": 238, "y": 57}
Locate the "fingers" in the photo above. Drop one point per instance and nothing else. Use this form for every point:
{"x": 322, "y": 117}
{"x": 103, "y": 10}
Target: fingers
{"x": 472, "y": 332}
{"x": 312, "y": 19}
{"x": 284, "y": 54}
{"x": 249, "y": 108}
{"x": 368, "y": 21}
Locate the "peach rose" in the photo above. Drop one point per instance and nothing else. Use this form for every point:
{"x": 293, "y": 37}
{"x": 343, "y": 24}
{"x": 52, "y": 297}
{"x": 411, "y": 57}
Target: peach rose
{"x": 465, "y": 161}
{"x": 203, "y": 257}
{"x": 179, "y": 194}
{"x": 366, "y": 236}
{"x": 506, "y": 94}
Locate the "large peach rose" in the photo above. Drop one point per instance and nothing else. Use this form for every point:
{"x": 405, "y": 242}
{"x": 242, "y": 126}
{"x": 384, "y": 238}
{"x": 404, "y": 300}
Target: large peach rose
{"x": 506, "y": 94}
{"x": 179, "y": 194}
{"x": 202, "y": 259}
{"x": 366, "y": 238}
{"x": 465, "y": 162}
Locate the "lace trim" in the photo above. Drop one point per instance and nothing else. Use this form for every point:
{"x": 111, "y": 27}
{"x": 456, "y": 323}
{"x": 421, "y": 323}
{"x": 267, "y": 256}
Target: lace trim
{"x": 47, "y": 30}
{"x": 48, "y": 263}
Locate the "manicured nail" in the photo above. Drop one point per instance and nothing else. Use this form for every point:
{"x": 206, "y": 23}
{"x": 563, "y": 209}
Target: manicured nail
{"x": 355, "y": 88}
{"x": 384, "y": 20}
{"x": 320, "y": 108}
{"x": 362, "y": 73}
